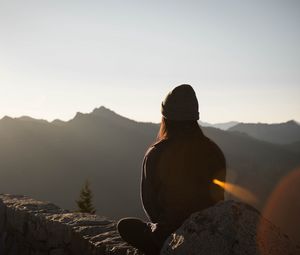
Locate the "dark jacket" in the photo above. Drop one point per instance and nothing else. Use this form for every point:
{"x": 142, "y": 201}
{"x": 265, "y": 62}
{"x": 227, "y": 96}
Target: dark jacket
{"x": 177, "y": 178}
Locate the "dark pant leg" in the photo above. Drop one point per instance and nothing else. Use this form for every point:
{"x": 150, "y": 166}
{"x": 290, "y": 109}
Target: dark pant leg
{"x": 138, "y": 234}
{"x": 147, "y": 237}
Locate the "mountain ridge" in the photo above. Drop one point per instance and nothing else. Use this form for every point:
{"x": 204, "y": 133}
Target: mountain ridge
{"x": 108, "y": 149}
{"x": 280, "y": 133}
{"x": 104, "y": 111}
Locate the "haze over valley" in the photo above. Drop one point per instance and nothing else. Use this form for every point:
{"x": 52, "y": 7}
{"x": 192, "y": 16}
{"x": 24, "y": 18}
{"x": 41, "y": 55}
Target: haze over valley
{"x": 51, "y": 160}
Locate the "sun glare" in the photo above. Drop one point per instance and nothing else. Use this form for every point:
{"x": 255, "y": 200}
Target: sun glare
{"x": 237, "y": 191}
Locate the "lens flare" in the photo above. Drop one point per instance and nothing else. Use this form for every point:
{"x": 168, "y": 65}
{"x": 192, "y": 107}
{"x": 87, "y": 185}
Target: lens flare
{"x": 237, "y": 191}
{"x": 283, "y": 209}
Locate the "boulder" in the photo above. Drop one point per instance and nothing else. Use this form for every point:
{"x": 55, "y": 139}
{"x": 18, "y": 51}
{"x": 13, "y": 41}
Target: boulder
{"x": 229, "y": 228}
{"x": 29, "y": 226}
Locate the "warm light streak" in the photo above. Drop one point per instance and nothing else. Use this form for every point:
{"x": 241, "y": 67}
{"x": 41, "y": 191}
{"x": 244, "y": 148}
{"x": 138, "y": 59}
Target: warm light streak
{"x": 237, "y": 191}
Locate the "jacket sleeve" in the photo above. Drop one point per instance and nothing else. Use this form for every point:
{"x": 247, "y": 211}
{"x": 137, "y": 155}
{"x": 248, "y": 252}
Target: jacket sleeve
{"x": 220, "y": 172}
{"x": 150, "y": 185}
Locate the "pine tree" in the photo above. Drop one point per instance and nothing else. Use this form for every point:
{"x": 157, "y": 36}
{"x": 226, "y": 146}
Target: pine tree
{"x": 84, "y": 203}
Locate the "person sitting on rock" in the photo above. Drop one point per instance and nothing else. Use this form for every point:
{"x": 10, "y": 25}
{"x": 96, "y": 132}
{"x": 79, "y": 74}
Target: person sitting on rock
{"x": 177, "y": 174}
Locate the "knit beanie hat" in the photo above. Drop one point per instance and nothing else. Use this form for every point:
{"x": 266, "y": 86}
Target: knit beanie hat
{"x": 181, "y": 104}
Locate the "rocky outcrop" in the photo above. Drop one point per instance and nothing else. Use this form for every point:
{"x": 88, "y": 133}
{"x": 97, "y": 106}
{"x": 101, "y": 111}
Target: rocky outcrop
{"x": 226, "y": 229}
{"x": 30, "y": 227}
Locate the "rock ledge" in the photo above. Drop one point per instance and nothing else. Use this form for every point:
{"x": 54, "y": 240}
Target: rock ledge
{"x": 28, "y": 226}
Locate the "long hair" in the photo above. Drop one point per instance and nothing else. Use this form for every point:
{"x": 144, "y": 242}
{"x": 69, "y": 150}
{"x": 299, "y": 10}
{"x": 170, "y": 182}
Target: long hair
{"x": 173, "y": 128}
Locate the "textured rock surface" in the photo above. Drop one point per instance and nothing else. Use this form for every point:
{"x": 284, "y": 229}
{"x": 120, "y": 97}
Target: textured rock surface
{"x": 229, "y": 228}
{"x": 30, "y": 227}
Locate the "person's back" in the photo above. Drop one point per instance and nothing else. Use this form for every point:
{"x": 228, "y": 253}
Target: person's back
{"x": 177, "y": 175}
{"x": 187, "y": 168}
{"x": 180, "y": 170}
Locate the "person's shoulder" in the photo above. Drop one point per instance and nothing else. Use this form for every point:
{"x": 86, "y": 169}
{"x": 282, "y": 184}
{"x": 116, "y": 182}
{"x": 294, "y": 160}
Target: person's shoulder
{"x": 209, "y": 142}
{"x": 214, "y": 148}
{"x": 156, "y": 148}
{"x": 160, "y": 144}
{"x": 152, "y": 155}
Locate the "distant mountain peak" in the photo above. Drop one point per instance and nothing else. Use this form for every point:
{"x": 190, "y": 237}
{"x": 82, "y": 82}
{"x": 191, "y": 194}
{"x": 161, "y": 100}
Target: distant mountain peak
{"x": 100, "y": 113}
{"x": 7, "y": 118}
{"x": 23, "y": 119}
{"x": 292, "y": 122}
{"x": 28, "y": 118}
{"x": 222, "y": 126}
{"x": 281, "y": 133}
{"x": 102, "y": 110}
{"x": 78, "y": 115}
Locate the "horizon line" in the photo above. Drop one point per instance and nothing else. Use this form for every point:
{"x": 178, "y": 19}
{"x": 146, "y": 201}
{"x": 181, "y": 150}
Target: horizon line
{"x": 104, "y": 107}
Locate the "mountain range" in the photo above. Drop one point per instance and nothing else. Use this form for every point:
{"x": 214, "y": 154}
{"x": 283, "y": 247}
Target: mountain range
{"x": 223, "y": 125}
{"x": 281, "y": 133}
{"x": 52, "y": 160}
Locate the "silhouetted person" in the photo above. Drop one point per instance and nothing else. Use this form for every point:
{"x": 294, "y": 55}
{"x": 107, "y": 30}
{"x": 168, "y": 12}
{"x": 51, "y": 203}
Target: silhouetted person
{"x": 177, "y": 174}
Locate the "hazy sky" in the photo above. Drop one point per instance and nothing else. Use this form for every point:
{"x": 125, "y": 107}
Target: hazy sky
{"x": 58, "y": 57}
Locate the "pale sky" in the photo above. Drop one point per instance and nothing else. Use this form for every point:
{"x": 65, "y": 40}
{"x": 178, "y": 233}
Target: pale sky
{"x": 242, "y": 57}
